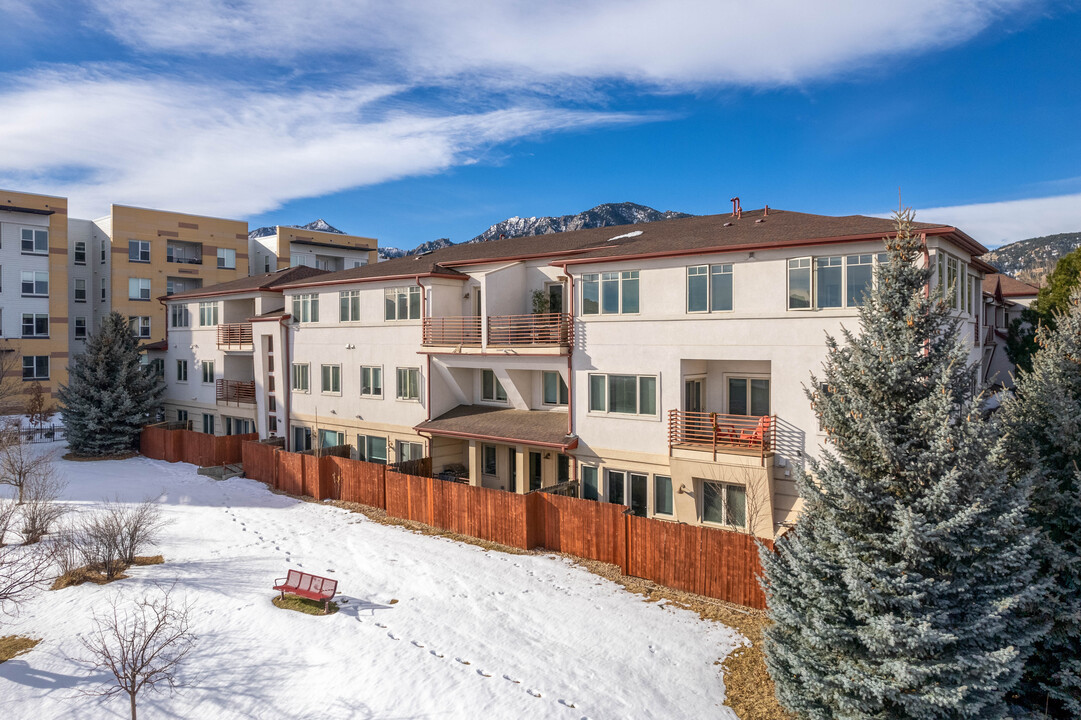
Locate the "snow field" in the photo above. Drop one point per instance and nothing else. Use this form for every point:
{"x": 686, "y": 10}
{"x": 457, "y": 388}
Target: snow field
{"x": 474, "y": 633}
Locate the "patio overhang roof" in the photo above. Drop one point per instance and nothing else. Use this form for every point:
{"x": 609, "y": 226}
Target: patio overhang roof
{"x": 513, "y": 427}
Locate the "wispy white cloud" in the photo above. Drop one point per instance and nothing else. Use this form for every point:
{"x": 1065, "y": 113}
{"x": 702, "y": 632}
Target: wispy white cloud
{"x": 100, "y": 137}
{"x": 677, "y": 42}
{"x": 997, "y": 223}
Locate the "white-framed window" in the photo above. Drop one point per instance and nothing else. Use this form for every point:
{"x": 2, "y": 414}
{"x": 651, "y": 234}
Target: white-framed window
{"x": 610, "y": 293}
{"x": 208, "y": 314}
{"x": 591, "y": 488}
{"x": 372, "y": 448}
{"x": 227, "y": 258}
{"x": 709, "y": 288}
{"x": 488, "y": 459}
{"x": 724, "y": 504}
{"x": 80, "y": 252}
{"x": 140, "y": 325}
{"x": 491, "y": 388}
{"x": 35, "y": 367}
{"x": 401, "y": 303}
{"x": 799, "y": 283}
{"x": 371, "y": 381}
{"x": 138, "y": 251}
{"x": 662, "y": 495}
{"x": 80, "y": 327}
{"x": 300, "y": 377}
{"x": 182, "y": 371}
{"x": 555, "y": 388}
{"x": 35, "y": 241}
{"x": 330, "y": 438}
{"x": 138, "y": 288}
{"x": 208, "y": 371}
{"x": 182, "y": 416}
{"x": 349, "y": 306}
{"x": 103, "y": 286}
{"x": 748, "y": 395}
{"x": 831, "y": 281}
{"x": 306, "y": 308}
{"x": 330, "y": 379}
{"x": 952, "y": 272}
{"x": 80, "y": 290}
{"x": 101, "y": 251}
{"x": 35, "y": 325}
{"x": 407, "y": 450}
{"x": 617, "y": 486}
{"x": 35, "y": 283}
{"x": 301, "y": 260}
{"x": 179, "y": 317}
{"x": 623, "y": 394}
{"x": 408, "y": 384}
{"x": 208, "y": 423}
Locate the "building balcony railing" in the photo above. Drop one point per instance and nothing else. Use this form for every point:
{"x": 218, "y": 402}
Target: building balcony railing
{"x": 451, "y": 331}
{"x": 989, "y": 335}
{"x": 721, "y": 433}
{"x": 238, "y": 392}
{"x": 235, "y": 336}
{"x": 537, "y": 329}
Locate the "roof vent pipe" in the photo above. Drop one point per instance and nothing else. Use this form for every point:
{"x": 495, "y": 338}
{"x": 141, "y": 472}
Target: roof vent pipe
{"x": 765, "y": 211}
{"x": 737, "y": 209}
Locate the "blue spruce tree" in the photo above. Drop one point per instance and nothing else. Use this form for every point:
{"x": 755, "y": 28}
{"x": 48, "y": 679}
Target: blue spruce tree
{"x": 1043, "y": 423}
{"x": 110, "y": 395}
{"x": 902, "y": 591}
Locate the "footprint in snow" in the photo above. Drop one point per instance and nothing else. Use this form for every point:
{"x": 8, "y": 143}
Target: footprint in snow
{"x": 392, "y": 636}
{"x": 532, "y": 692}
{"x": 420, "y": 645}
{"x": 463, "y": 662}
{"x": 381, "y": 625}
{"x": 516, "y": 682}
{"x": 433, "y": 652}
{"x": 482, "y": 673}
{"x": 567, "y": 703}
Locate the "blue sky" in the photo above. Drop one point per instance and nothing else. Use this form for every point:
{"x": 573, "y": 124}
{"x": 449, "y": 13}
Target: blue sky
{"x": 414, "y": 120}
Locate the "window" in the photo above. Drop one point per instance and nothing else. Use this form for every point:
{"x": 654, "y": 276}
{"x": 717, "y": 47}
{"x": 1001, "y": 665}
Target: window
{"x": 35, "y": 282}
{"x": 662, "y": 495}
{"x": 302, "y": 438}
{"x": 208, "y": 423}
{"x": 101, "y": 251}
{"x": 140, "y": 325}
{"x": 300, "y": 260}
{"x": 306, "y": 308}
{"x": 409, "y": 450}
{"x": 408, "y": 384}
{"x": 138, "y": 251}
{"x": 331, "y": 378}
{"x": 80, "y": 327}
{"x": 828, "y": 282}
{"x": 331, "y": 438}
{"x": 35, "y": 367}
{"x": 626, "y": 394}
{"x": 616, "y": 489}
{"x": 610, "y": 293}
{"x": 157, "y": 367}
{"x": 181, "y": 370}
{"x": 271, "y": 403}
{"x": 349, "y": 306}
{"x": 300, "y": 377}
{"x": 951, "y": 289}
{"x": 138, "y": 288}
{"x": 227, "y": 258}
{"x": 35, "y": 241}
{"x": 590, "y": 294}
{"x": 590, "y": 489}
{"x": 858, "y": 276}
{"x": 491, "y": 388}
{"x": 35, "y": 325}
{"x": 208, "y": 314}
{"x": 371, "y": 381}
{"x": 748, "y": 394}
{"x": 724, "y": 504}
{"x": 488, "y": 463}
{"x": 272, "y": 424}
{"x": 266, "y": 264}
{"x": 372, "y": 448}
{"x": 709, "y": 288}
{"x": 80, "y": 252}
{"x": 80, "y": 290}
{"x": 402, "y": 303}
{"x": 555, "y": 389}
{"x": 103, "y": 289}
{"x": 208, "y": 371}
{"x": 799, "y": 283}
{"x": 182, "y": 416}
{"x": 179, "y": 317}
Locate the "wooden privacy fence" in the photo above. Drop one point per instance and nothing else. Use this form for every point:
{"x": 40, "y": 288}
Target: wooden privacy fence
{"x": 177, "y": 445}
{"x": 715, "y": 563}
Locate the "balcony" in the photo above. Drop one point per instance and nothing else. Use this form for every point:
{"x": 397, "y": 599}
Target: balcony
{"x": 236, "y": 392}
{"x": 235, "y": 336}
{"x": 184, "y": 253}
{"x": 452, "y": 331}
{"x": 504, "y": 331}
{"x": 739, "y": 434}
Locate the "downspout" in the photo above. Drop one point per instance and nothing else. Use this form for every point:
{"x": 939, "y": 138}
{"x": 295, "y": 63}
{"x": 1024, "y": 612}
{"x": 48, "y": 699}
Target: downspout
{"x": 570, "y": 355}
{"x": 287, "y": 383}
{"x": 428, "y": 368}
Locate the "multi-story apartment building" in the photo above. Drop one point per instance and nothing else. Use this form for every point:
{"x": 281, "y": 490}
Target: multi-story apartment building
{"x": 291, "y": 247}
{"x": 662, "y": 366}
{"x": 34, "y": 289}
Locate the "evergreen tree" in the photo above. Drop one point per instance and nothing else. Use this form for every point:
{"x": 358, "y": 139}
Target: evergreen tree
{"x": 1043, "y": 422}
{"x": 110, "y": 394}
{"x": 901, "y": 593}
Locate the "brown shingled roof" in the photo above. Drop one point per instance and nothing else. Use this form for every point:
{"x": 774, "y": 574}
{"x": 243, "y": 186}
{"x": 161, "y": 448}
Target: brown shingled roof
{"x": 254, "y": 283}
{"x": 531, "y": 427}
{"x": 1008, "y": 285}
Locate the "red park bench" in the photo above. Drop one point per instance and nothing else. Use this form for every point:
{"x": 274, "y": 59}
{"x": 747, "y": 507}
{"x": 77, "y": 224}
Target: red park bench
{"x": 308, "y": 586}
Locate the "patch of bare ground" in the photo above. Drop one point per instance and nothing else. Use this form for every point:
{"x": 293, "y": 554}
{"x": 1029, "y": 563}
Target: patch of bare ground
{"x": 96, "y": 573}
{"x": 303, "y": 605}
{"x": 12, "y": 645}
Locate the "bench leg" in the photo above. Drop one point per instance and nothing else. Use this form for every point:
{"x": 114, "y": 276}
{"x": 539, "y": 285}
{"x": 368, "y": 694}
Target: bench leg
{"x": 326, "y": 607}
{"x": 283, "y": 596}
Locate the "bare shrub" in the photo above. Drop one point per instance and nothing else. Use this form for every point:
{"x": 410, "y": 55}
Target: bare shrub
{"x": 7, "y": 517}
{"x": 99, "y": 543}
{"x": 68, "y": 544}
{"x": 141, "y": 646}
{"x": 22, "y": 464}
{"x": 137, "y": 526}
{"x": 40, "y": 509}
{"x": 22, "y": 569}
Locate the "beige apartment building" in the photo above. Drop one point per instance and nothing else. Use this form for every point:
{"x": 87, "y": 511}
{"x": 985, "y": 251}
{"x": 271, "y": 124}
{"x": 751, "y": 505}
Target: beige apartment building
{"x": 294, "y": 247}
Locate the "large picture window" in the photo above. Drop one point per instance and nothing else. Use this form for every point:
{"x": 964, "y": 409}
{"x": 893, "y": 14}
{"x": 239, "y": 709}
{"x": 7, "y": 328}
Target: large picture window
{"x": 402, "y": 303}
{"x": 709, "y": 288}
{"x": 724, "y": 504}
{"x": 610, "y": 293}
{"x": 555, "y": 389}
{"x": 623, "y": 394}
{"x": 208, "y": 314}
{"x": 837, "y": 281}
{"x": 372, "y": 448}
{"x": 491, "y": 388}
{"x": 306, "y": 308}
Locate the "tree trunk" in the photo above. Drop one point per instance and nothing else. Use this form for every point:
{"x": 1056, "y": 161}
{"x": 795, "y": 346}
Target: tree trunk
{"x": 131, "y": 696}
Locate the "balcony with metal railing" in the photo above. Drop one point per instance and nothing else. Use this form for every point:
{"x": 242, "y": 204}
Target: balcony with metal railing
{"x": 186, "y": 253}
{"x": 235, "y": 336}
{"x": 717, "y": 433}
{"x": 235, "y": 392}
{"x": 551, "y": 331}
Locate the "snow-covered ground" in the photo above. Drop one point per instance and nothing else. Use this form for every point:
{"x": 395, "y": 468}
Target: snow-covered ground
{"x": 542, "y": 637}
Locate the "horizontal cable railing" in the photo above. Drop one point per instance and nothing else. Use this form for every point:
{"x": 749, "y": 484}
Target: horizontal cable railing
{"x": 452, "y": 330}
{"x": 537, "y": 329}
{"x": 241, "y": 392}
{"x": 234, "y": 334}
{"x": 715, "y": 431}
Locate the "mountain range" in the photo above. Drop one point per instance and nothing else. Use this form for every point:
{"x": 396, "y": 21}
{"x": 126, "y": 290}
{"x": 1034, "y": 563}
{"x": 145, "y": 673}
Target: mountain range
{"x": 321, "y": 225}
{"x": 1032, "y": 259}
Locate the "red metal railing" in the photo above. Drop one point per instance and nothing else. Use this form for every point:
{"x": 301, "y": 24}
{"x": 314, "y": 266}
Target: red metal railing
{"x": 451, "y": 331}
{"x": 234, "y": 335}
{"x": 538, "y": 329}
{"x": 715, "y": 431}
{"x": 241, "y": 392}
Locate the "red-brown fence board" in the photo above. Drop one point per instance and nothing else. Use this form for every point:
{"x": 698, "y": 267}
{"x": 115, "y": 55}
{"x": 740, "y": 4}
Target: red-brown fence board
{"x": 585, "y": 528}
{"x": 361, "y": 482}
{"x": 259, "y": 461}
{"x": 291, "y": 473}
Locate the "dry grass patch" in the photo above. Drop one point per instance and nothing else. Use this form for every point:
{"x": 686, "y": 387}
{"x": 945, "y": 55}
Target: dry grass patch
{"x": 12, "y": 645}
{"x": 94, "y": 458}
{"x": 303, "y": 605}
{"x": 96, "y": 573}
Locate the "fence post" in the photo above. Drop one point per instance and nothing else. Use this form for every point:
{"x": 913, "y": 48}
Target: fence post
{"x": 626, "y": 543}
